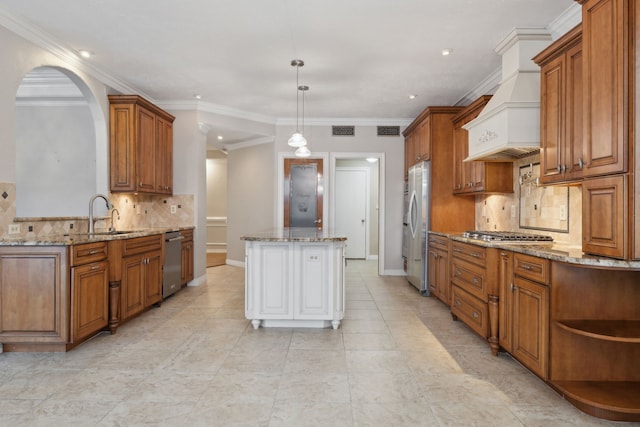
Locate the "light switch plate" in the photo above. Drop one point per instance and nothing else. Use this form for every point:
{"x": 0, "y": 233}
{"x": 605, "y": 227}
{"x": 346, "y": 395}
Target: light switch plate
{"x": 173, "y": 209}
{"x": 513, "y": 211}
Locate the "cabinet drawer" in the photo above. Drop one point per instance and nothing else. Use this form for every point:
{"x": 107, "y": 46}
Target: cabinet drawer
{"x": 531, "y": 267}
{"x": 187, "y": 234}
{"x": 438, "y": 242}
{"x": 471, "y": 310}
{"x": 88, "y": 253}
{"x": 469, "y": 277}
{"x": 140, "y": 245}
{"x": 471, "y": 253}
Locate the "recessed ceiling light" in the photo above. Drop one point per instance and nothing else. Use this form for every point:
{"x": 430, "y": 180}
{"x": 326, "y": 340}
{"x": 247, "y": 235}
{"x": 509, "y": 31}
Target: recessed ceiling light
{"x": 85, "y": 53}
{"x": 220, "y": 137}
{"x": 447, "y": 52}
{"x": 196, "y": 96}
{"x": 413, "y": 96}
{"x": 372, "y": 159}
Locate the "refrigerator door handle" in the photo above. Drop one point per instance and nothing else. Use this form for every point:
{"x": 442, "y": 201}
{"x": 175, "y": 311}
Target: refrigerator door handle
{"x": 413, "y": 214}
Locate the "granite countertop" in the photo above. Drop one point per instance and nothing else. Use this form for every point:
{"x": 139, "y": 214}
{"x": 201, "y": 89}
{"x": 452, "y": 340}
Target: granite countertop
{"x": 294, "y": 235}
{"x": 557, "y": 252}
{"x": 68, "y": 239}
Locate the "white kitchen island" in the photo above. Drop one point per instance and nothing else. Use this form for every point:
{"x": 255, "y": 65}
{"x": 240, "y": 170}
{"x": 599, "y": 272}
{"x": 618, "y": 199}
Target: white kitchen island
{"x": 294, "y": 277}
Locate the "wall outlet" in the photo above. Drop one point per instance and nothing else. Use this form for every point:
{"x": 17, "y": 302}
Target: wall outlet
{"x": 138, "y": 209}
{"x": 173, "y": 209}
{"x": 563, "y": 213}
{"x": 14, "y": 228}
{"x": 484, "y": 211}
{"x": 513, "y": 211}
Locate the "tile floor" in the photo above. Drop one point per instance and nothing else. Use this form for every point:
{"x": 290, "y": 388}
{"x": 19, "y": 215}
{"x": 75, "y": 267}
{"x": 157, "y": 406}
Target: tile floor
{"x": 397, "y": 360}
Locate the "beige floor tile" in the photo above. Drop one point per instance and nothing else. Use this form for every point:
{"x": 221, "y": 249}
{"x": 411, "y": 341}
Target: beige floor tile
{"x": 398, "y": 359}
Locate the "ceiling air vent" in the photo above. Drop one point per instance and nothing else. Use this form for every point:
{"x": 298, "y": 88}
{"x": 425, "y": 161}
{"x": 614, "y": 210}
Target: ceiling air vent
{"x": 388, "y": 130}
{"x": 343, "y": 130}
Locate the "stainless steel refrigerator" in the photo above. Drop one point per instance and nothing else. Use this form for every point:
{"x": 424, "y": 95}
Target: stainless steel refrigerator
{"x": 418, "y": 224}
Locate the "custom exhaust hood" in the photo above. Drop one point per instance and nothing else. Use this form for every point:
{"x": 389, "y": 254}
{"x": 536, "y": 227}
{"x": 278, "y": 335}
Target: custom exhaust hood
{"x": 509, "y": 125}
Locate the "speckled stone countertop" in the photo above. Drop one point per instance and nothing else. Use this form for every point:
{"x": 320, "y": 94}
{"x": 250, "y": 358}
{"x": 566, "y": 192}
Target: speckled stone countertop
{"x": 295, "y": 235}
{"x": 556, "y": 252}
{"x": 79, "y": 238}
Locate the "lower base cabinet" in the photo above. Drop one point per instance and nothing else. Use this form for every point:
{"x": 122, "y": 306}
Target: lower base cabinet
{"x": 294, "y": 284}
{"x": 141, "y": 284}
{"x": 438, "y": 268}
{"x": 187, "y": 274}
{"x": 524, "y": 310}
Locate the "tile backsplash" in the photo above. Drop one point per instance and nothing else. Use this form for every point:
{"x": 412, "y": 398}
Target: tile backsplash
{"x": 135, "y": 212}
{"x": 502, "y": 211}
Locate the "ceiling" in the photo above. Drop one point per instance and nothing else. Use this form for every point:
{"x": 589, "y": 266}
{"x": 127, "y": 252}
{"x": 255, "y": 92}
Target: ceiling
{"x": 363, "y": 58}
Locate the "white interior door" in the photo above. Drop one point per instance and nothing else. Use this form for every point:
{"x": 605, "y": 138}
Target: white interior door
{"x": 351, "y": 196}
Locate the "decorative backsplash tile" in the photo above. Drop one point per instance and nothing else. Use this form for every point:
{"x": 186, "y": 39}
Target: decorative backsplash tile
{"x": 502, "y": 211}
{"x": 135, "y": 212}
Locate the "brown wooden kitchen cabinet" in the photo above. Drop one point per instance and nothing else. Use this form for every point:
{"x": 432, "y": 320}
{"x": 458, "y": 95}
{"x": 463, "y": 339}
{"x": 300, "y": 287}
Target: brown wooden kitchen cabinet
{"x": 433, "y": 124}
{"x": 595, "y": 339}
{"x": 608, "y": 56}
{"x": 524, "y": 309}
{"x": 34, "y": 290}
{"x": 438, "y": 268}
{"x": 141, "y": 146}
{"x": 561, "y": 109}
{"x": 141, "y": 284}
{"x": 474, "y": 289}
{"x": 605, "y": 228}
{"x": 89, "y": 290}
{"x": 477, "y": 176}
{"x": 187, "y": 257}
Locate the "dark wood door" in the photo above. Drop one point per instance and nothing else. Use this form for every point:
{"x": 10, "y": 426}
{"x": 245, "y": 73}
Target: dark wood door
{"x": 303, "y": 192}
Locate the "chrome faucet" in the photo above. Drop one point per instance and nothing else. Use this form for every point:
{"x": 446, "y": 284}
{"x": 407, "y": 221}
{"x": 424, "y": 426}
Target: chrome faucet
{"x": 112, "y": 229}
{"x": 93, "y": 198}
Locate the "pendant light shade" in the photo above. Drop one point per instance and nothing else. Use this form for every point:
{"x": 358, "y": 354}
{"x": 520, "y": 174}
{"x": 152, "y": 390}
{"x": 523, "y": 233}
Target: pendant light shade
{"x": 302, "y": 152}
{"x": 297, "y": 140}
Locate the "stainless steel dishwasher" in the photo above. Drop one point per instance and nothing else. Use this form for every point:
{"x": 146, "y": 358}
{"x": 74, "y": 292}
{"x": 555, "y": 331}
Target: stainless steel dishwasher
{"x": 172, "y": 272}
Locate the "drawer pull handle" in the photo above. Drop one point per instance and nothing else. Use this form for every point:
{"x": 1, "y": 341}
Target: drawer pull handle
{"x": 457, "y": 250}
{"x": 475, "y": 255}
{"x": 95, "y": 267}
{"x": 458, "y": 302}
{"x": 93, "y": 252}
{"x": 475, "y": 314}
{"x": 526, "y": 267}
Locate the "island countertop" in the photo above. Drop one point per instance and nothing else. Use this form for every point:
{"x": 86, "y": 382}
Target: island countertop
{"x": 286, "y": 234}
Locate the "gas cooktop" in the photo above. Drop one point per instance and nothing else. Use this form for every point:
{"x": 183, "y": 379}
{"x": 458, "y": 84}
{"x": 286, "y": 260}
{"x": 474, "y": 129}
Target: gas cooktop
{"x": 507, "y": 237}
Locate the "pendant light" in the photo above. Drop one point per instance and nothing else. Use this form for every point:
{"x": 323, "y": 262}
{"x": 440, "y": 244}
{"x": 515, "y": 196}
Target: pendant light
{"x": 303, "y": 151}
{"x": 297, "y": 139}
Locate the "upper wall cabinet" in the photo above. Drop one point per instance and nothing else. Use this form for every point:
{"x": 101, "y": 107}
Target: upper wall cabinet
{"x": 561, "y": 118}
{"x": 141, "y": 146}
{"x": 607, "y": 57}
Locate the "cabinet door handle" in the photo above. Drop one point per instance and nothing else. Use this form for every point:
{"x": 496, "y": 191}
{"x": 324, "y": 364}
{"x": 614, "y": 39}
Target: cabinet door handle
{"x": 559, "y": 168}
{"x": 581, "y": 163}
{"x": 458, "y": 302}
{"x": 475, "y": 280}
{"x": 458, "y": 272}
{"x": 475, "y": 314}
{"x": 513, "y": 288}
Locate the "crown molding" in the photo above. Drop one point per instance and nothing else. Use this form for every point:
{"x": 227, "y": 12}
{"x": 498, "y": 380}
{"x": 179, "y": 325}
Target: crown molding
{"x": 345, "y": 121}
{"x": 66, "y": 54}
{"x": 249, "y": 143}
{"x": 568, "y": 19}
{"x": 208, "y": 107}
